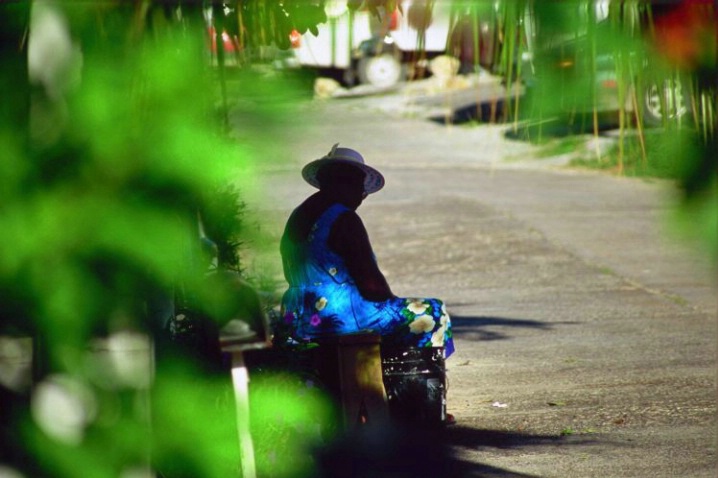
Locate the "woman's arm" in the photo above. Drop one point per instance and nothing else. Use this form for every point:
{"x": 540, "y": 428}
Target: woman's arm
{"x": 349, "y": 239}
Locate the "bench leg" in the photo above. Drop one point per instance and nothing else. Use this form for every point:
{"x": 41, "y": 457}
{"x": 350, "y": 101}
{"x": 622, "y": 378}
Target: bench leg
{"x": 363, "y": 398}
{"x": 240, "y": 382}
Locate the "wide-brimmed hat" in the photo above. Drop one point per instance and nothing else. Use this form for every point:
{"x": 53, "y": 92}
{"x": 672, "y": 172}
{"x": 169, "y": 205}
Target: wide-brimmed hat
{"x": 373, "y": 181}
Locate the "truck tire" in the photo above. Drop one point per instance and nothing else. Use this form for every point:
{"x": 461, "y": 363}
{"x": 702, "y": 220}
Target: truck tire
{"x": 665, "y": 101}
{"x": 383, "y": 70}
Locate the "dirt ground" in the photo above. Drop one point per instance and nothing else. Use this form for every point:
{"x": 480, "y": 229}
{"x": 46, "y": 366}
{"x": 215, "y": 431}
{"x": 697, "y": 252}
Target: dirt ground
{"x": 585, "y": 329}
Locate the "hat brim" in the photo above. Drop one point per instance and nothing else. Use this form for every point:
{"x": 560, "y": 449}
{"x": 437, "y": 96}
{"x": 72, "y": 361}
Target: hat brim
{"x": 373, "y": 180}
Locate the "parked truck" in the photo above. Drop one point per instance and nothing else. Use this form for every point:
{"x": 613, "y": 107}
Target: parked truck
{"x": 378, "y": 50}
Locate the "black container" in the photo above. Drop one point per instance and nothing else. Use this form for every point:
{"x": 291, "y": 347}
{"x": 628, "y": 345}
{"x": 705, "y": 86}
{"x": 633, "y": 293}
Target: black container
{"x": 415, "y": 383}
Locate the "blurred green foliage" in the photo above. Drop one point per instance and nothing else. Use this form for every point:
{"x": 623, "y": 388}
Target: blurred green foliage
{"x": 113, "y": 147}
{"x": 185, "y": 427}
{"x": 287, "y": 433}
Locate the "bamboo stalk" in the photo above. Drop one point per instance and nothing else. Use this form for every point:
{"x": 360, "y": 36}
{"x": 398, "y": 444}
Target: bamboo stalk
{"x": 476, "y": 54}
{"x": 218, "y": 20}
{"x": 520, "y": 14}
{"x": 621, "y": 138}
{"x": 510, "y": 37}
{"x": 240, "y": 28}
{"x": 592, "y": 36}
{"x": 639, "y": 127}
{"x": 476, "y": 34}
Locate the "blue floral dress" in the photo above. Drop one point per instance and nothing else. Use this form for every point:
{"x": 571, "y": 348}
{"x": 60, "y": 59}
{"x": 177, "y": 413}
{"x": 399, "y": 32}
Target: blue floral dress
{"x": 322, "y": 298}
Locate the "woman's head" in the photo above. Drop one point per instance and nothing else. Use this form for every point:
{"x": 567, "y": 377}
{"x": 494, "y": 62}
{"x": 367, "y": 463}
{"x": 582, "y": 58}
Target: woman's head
{"x": 339, "y": 172}
{"x": 343, "y": 168}
{"x": 343, "y": 182}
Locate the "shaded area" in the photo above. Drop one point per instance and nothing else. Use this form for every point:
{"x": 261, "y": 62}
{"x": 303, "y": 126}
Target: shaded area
{"x": 475, "y": 439}
{"x": 414, "y": 452}
{"x": 478, "y": 327}
{"x": 481, "y": 112}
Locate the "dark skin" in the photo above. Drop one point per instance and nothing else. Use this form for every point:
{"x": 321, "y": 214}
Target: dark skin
{"x": 348, "y": 237}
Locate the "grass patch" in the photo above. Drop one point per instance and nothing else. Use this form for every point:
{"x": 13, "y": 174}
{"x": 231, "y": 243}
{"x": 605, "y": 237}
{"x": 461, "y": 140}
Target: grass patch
{"x": 559, "y": 147}
{"x": 668, "y": 155}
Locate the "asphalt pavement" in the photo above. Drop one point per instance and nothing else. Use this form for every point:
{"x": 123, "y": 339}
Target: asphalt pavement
{"x": 585, "y": 328}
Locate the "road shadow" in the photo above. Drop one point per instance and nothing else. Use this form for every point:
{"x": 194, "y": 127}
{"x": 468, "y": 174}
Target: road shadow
{"x": 492, "y": 328}
{"x": 484, "y": 112}
{"x": 417, "y": 452}
{"x": 458, "y": 437}
{"x": 476, "y": 438}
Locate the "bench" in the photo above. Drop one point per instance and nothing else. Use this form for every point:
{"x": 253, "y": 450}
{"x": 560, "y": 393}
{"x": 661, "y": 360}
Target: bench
{"x": 374, "y": 382}
{"x": 350, "y": 367}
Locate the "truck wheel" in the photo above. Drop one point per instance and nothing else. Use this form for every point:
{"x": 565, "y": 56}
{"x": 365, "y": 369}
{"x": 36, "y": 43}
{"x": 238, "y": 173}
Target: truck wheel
{"x": 382, "y": 71}
{"x": 665, "y": 101}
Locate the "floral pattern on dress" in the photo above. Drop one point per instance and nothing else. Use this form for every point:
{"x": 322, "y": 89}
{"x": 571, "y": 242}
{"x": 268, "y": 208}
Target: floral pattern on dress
{"x": 416, "y": 306}
{"x": 422, "y": 324}
{"x": 320, "y": 304}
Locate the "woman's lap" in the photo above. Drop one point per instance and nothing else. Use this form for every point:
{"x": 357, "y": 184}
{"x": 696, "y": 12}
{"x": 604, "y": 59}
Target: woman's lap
{"x": 410, "y": 322}
{"x": 417, "y": 322}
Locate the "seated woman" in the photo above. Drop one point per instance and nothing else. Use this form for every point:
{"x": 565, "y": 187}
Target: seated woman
{"x": 335, "y": 285}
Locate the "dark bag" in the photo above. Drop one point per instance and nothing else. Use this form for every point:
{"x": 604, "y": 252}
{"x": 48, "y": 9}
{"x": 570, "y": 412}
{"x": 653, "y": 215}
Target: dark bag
{"x": 415, "y": 383}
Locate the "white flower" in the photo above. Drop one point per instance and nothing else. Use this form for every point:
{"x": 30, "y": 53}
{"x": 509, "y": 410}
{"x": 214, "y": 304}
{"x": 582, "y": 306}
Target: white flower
{"x": 422, "y": 324}
{"x": 417, "y": 306}
{"x": 437, "y": 338}
{"x": 321, "y": 303}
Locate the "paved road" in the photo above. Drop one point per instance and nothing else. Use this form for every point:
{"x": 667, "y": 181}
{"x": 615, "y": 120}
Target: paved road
{"x": 573, "y": 306}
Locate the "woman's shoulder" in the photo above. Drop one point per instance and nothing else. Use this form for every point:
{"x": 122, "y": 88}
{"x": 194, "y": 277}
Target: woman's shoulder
{"x": 300, "y": 221}
{"x": 347, "y": 228}
{"x": 313, "y": 211}
{"x": 347, "y": 218}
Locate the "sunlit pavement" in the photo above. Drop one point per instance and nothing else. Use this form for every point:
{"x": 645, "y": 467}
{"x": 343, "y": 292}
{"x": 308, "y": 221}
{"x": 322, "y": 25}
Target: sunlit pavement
{"x": 585, "y": 328}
